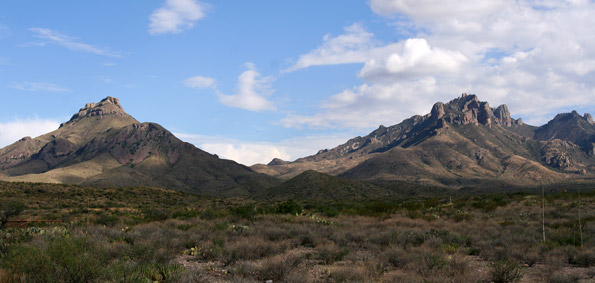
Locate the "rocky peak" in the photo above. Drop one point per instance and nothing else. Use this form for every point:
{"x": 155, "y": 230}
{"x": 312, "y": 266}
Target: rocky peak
{"x": 107, "y": 106}
{"x": 468, "y": 109}
{"x": 437, "y": 111}
{"x": 502, "y": 116}
{"x": 589, "y": 118}
{"x": 277, "y": 161}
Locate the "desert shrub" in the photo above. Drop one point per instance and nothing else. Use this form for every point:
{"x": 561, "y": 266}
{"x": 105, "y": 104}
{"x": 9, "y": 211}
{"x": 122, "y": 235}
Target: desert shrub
{"x": 186, "y": 213}
{"x": 107, "y": 219}
{"x": 289, "y": 207}
{"x": 430, "y": 262}
{"x": 399, "y": 258}
{"x": 156, "y": 214}
{"x": 349, "y": 274}
{"x": 585, "y": 258}
{"x": 562, "y": 278}
{"x": 331, "y": 253}
{"x": 431, "y": 202}
{"x": 250, "y": 248}
{"x": 402, "y": 277}
{"x": 247, "y": 211}
{"x": 505, "y": 271}
{"x": 462, "y": 216}
{"x": 275, "y": 233}
{"x": 9, "y": 209}
{"x": 208, "y": 214}
{"x": 307, "y": 241}
{"x": 278, "y": 268}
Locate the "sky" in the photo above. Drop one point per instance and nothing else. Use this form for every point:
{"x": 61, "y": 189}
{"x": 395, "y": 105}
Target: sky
{"x": 257, "y": 80}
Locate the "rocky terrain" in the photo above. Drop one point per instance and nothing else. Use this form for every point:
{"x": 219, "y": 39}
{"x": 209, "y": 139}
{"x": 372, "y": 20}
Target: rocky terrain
{"x": 103, "y": 145}
{"x": 460, "y": 143}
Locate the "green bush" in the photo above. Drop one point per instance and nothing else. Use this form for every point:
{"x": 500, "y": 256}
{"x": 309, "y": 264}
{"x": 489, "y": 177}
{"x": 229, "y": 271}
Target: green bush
{"x": 289, "y": 207}
{"x": 107, "y": 219}
{"x": 9, "y": 209}
{"x": 247, "y": 211}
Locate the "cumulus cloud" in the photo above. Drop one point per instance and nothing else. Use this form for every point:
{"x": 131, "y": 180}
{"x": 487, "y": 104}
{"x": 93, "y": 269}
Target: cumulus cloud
{"x": 416, "y": 58}
{"x": 532, "y": 55}
{"x": 251, "y": 92}
{"x": 250, "y": 153}
{"x": 12, "y": 131}
{"x": 200, "y": 82}
{"x": 40, "y": 86}
{"x": 176, "y": 16}
{"x": 54, "y": 37}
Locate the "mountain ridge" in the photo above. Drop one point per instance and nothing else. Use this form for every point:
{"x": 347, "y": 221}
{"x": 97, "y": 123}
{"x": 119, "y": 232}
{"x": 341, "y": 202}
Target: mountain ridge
{"x": 461, "y": 142}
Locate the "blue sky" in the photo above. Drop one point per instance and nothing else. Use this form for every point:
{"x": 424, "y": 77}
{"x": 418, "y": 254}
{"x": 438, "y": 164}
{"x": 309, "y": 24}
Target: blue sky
{"x": 253, "y": 80}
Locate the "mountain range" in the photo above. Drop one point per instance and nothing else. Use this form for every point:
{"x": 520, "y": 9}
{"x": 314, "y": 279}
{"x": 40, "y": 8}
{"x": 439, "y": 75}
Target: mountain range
{"x": 462, "y": 143}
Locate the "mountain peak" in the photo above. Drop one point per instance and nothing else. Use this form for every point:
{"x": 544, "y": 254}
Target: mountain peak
{"x": 468, "y": 109}
{"x": 107, "y": 106}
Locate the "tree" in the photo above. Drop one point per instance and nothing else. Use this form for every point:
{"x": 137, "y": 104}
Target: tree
{"x": 9, "y": 209}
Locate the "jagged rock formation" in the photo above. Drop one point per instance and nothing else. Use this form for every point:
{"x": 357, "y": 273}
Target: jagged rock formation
{"x": 103, "y": 145}
{"x": 462, "y": 142}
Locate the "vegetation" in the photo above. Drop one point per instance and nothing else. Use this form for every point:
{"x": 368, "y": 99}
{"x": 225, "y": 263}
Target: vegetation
{"x": 8, "y": 209}
{"x": 147, "y": 234}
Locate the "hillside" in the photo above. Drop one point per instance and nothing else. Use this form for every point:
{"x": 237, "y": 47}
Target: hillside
{"x": 312, "y": 185}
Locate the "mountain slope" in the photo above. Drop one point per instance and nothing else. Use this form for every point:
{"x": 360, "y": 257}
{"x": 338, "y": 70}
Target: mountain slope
{"x": 312, "y": 185}
{"x": 462, "y": 142}
{"x": 102, "y": 145}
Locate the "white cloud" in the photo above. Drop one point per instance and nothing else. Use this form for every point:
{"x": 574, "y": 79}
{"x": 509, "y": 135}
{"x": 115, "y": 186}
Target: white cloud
{"x": 175, "y": 16}
{"x": 532, "y": 55}
{"x": 11, "y": 132}
{"x": 63, "y": 40}
{"x": 250, "y": 153}
{"x": 251, "y": 93}
{"x": 351, "y": 47}
{"x": 416, "y": 58}
{"x": 367, "y": 106}
{"x": 200, "y": 82}
{"x": 40, "y": 86}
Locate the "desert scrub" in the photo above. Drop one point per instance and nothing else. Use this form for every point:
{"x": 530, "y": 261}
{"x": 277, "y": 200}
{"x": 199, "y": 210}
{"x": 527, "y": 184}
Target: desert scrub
{"x": 60, "y": 259}
{"x": 504, "y": 272}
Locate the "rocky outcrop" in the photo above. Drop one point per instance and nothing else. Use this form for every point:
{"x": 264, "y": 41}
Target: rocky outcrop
{"x": 107, "y": 106}
{"x": 556, "y": 154}
{"x": 589, "y": 118}
{"x": 467, "y": 109}
{"x": 502, "y": 116}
